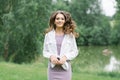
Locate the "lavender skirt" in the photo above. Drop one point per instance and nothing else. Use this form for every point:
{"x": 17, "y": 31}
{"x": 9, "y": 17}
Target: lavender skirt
{"x": 58, "y": 73}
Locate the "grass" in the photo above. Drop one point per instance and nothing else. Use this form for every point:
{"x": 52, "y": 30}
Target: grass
{"x": 87, "y": 66}
{"x": 11, "y": 71}
{"x": 90, "y": 76}
{"x": 37, "y": 71}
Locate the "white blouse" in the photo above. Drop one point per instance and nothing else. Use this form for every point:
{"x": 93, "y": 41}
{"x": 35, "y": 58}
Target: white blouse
{"x": 68, "y": 47}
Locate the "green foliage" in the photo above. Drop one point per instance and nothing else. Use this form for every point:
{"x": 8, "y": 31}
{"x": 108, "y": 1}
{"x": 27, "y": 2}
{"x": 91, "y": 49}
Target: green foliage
{"x": 95, "y": 35}
{"x": 61, "y": 5}
{"x": 115, "y": 36}
{"x": 23, "y": 26}
{"x": 94, "y": 28}
{"x": 85, "y": 12}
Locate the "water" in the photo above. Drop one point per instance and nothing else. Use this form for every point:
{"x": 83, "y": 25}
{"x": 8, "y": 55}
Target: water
{"x": 97, "y": 58}
{"x": 114, "y": 65}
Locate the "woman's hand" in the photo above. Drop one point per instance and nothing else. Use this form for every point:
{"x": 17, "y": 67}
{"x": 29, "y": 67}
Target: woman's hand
{"x": 62, "y": 60}
{"x": 54, "y": 59}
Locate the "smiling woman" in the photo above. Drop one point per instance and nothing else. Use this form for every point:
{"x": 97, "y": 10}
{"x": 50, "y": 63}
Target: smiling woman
{"x": 60, "y": 46}
{"x": 108, "y": 7}
{"x": 59, "y": 21}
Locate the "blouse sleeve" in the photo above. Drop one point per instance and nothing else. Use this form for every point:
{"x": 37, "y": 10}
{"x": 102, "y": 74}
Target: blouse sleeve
{"x": 46, "y": 52}
{"x": 74, "y": 51}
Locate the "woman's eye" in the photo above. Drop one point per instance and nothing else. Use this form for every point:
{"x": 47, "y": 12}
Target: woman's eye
{"x": 60, "y": 19}
{"x": 63, "y": 19}
{"x": 57, "y": 18}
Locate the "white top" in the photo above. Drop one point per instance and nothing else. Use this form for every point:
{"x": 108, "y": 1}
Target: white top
{"x": 68, "y": 47}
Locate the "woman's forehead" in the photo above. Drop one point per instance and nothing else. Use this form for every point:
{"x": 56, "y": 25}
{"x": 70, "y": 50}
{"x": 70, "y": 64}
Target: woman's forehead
{"x": 60, "y": 15}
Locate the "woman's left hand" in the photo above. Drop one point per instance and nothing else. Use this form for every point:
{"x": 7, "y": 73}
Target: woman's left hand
{"x": 62, "y": 60}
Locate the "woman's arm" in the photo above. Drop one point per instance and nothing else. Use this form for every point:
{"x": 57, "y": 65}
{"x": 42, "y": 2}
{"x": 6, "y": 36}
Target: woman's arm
{"x": 46, "y": 52}
{"x": 74, "y": 51}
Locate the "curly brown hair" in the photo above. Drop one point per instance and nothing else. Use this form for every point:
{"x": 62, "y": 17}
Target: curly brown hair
{"x": 69, "y": 26}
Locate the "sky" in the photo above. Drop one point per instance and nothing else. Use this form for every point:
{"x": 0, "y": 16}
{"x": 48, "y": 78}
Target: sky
{"x": 108, "y": 7}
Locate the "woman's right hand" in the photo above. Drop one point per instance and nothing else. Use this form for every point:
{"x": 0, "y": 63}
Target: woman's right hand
{"x": 54, "y": 59}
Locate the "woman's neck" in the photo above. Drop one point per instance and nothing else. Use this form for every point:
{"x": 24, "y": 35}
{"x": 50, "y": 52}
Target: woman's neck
{"x": 59, "y": 31}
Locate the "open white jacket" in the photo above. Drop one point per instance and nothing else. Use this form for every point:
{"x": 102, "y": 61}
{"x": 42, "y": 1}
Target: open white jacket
{"x": 68, "y": 47}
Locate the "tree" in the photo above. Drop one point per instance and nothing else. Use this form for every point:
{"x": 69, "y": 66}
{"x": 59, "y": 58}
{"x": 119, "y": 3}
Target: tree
{"x": 61, "y": 5}
{"x": 85, "y": 12}
{"x": 23, "y": 27}
{"x": 88, "y": 14}
{"x": 5, "y": 7}
{"x": 116, "y": 29}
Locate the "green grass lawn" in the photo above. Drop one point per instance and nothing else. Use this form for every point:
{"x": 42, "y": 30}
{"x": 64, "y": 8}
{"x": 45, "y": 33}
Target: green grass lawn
{"x": 88, "y": 65}
{"x": 37, "y": 71}
{"x": 10, "y": 71}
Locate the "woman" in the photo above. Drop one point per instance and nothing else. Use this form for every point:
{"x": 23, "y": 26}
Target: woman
{"x": 60, "y": 45}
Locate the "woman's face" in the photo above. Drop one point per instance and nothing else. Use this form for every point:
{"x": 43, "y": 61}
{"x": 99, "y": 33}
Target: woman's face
{"x": 59, "y": 20}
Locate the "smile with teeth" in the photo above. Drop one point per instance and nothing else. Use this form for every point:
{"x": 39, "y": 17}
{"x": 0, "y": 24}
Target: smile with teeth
{"x": 60, "y": 23}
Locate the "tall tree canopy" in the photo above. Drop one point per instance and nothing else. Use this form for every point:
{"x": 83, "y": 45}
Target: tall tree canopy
{"x": 116, "y": 29}
{"x": 93, "y": 26}
{"x": 23, "y": 24}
